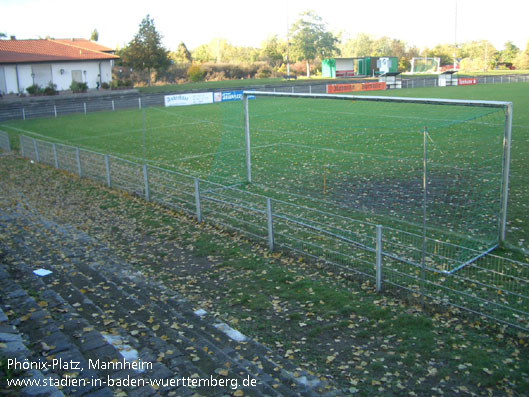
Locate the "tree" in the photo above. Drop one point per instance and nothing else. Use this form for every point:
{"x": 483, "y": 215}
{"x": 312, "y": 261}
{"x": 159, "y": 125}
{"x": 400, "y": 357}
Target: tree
{"x": 182, "y": 54}
{"x": 272, "y": 51}
{"x": 310, "y": 39}
{"x": 145, "y": 51}
{"x": 522, "y": 60}
{"x": 359, "y": 46}
{"x": 482, "y": 53}
{"x": 202, "y": 53}
{"x": 509, "y": 52}
{"x": 95, "y": 35}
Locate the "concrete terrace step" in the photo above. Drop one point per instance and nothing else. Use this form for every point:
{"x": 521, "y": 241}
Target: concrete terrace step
{"x": 111, "y": 300}
{"x": 45, "y": 341}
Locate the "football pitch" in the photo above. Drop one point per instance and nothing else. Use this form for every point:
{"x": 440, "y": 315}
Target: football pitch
{"x": 350, "y": 158}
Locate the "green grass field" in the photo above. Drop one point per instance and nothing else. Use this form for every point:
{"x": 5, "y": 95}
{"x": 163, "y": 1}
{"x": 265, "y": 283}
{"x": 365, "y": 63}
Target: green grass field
{"x": 357, "y": 159}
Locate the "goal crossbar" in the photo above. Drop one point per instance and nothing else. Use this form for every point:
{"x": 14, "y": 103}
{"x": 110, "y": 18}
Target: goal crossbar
{"x": 424, "y": 101}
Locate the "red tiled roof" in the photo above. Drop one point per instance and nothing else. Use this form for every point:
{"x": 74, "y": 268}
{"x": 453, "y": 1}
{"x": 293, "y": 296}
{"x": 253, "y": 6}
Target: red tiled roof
{"x": 84, "y": 43}
{"x": 24, "y": 51}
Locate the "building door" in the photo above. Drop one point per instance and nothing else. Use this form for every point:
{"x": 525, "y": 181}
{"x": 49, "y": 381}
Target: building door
{"x": 42, "y": 75}
{"x": 77, "y": 76}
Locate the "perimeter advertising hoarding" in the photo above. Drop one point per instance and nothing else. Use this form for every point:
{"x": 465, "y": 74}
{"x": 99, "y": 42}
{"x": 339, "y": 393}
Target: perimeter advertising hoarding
{"x": 340, "y": 88}
{"x": 467, "y": 81}
{"x": 228, "y": 96}
{"x": 189, "y": 99}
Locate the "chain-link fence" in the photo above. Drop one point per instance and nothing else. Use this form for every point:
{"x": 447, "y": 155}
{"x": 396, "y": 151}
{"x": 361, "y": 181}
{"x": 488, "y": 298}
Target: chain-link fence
{"x": 4, "y": 141}
{"x": 489, "y": 286}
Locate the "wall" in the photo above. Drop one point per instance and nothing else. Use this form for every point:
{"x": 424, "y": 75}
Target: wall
{"x": 61, "y": 79}
{"x": 91, "y": 77}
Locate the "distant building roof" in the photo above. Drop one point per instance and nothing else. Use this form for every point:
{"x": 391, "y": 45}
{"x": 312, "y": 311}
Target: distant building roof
{"x": 84, "y": 43}
{"x": 47, "y": 50}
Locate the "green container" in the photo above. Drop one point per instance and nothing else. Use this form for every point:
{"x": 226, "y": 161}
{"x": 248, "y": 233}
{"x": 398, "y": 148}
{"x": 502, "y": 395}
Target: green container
{"x": 328, "y": 68}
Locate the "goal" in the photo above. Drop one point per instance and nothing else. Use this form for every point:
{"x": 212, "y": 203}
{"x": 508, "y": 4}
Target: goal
{"x": 425, "y": 65}
{"x": 406, "y": 163}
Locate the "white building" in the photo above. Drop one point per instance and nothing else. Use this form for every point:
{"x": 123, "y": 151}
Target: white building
{"x": 27, "y": 62}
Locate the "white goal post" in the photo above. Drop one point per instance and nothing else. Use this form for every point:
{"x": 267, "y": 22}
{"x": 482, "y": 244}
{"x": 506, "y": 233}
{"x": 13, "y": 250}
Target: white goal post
{"x": 507, "y": 130}
{"x": 425, "y": 65}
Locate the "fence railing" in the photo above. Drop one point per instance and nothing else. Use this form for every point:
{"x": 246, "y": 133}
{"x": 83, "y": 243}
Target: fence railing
{"x": 491, "y": 286}
{"x": 56, "y": 107}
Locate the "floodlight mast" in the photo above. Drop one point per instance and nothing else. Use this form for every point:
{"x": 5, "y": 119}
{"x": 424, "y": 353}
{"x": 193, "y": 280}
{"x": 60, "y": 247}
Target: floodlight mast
{"x": 455, "y": 39}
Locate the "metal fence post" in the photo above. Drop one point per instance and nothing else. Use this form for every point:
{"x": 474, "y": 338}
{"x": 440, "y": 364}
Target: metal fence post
{"x": 55, "y": 159}
{"x": 269, "y": 217}
{"x": 37, "y": 159}
{"x": 424, "y": 201}
{"x": 55, "y": 110}
{"x": 139, "y": 102}
{"x": 113, "y": 107}
{"x": 146, "y": 182}
{"x": 78, "y": 158}
{"x": 23, "y": 114}
{"x": 84, "y": 107}
{"x": 379, "y": 258}
{"x": 21, "y": 137}
{"x": 197, "y": 200}
{"x": 107, "y": 169}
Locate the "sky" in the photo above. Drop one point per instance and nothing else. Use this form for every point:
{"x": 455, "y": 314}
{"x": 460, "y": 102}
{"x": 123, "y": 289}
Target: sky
{"x": 247, "y": 23}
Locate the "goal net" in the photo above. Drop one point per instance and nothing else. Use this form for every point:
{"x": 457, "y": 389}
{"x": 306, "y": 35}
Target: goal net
{"x": 368, "y": 157}
{"x": 425, "y": 65}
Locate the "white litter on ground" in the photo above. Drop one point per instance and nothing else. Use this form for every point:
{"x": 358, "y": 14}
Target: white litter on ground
{"x": 200, "y": 312}
{"x": 232, "y": 333}
{"x": 42, "y": 272}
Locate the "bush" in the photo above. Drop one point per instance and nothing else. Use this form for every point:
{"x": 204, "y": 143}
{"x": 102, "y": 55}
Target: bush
{"x": 34, "y": 90}
{"x": 263, "y": 72}
{"x": 105, "y": 86}
{"x": 51, "y": 89}
{"x": 77, "y": 87}
{"x": 120, "y": 84}
{"x": 195, "y": 73}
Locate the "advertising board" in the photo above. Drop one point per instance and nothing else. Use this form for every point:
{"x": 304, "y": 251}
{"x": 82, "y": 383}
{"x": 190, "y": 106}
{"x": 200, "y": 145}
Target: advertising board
{"x": 188, "y": 99}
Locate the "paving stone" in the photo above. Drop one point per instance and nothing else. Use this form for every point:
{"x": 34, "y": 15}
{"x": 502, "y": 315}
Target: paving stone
{"x": 57, "y": 343}
{"x": 106, "y": 392}
{"x": 16, "y": 294}
{"x": 14, "y": 348}
{"x": 92, "y": 342}
{"x": 4, "y": 337}
{"x": 39, "y": 390}
{"x": 144, "y": 391}
{"x": 8, "y": 329}
{"x": 3, "y": 317}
